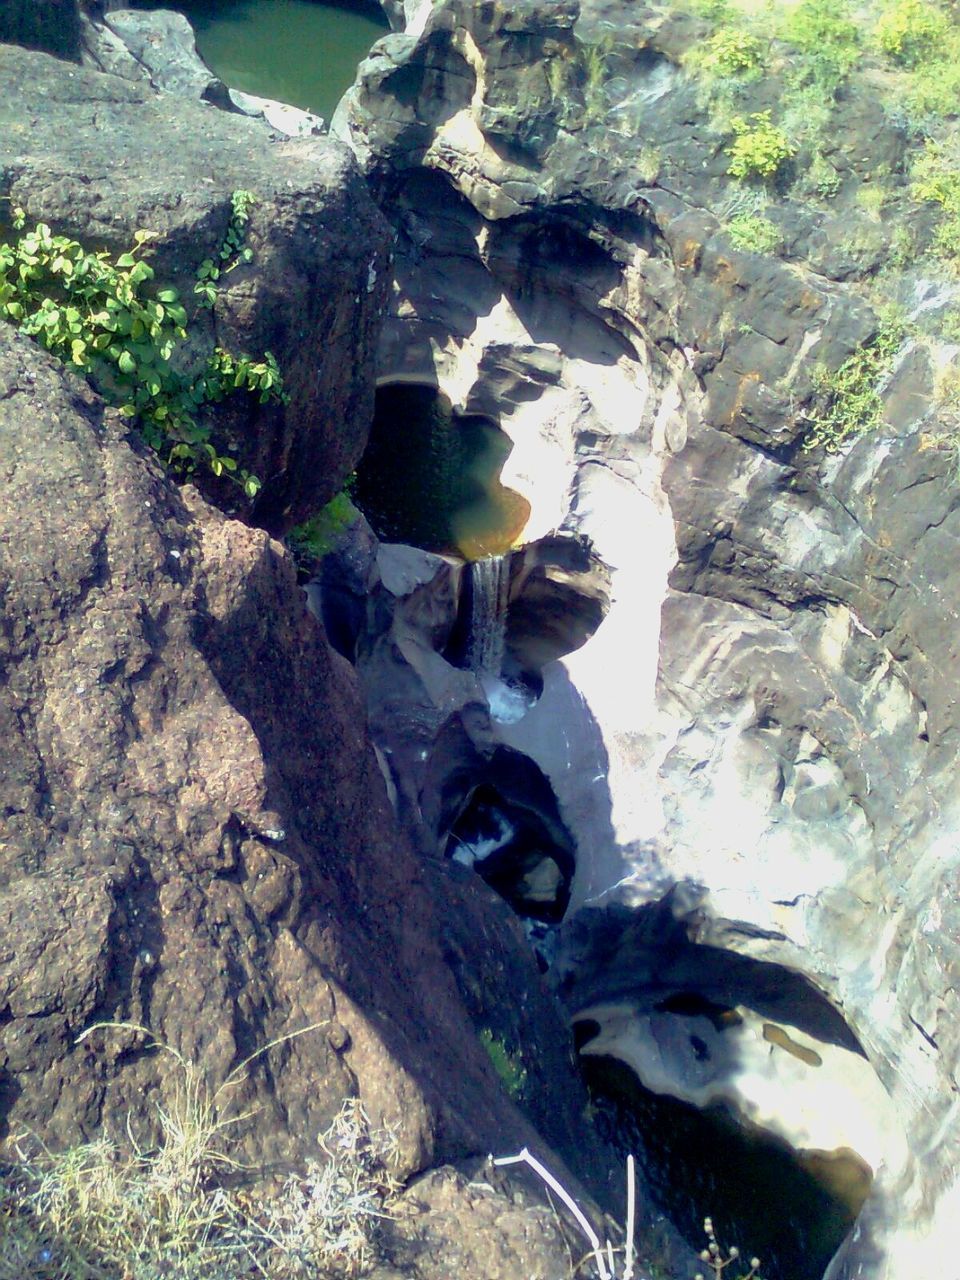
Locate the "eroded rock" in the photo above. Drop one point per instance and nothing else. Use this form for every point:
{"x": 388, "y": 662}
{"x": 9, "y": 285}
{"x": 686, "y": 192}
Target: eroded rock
{"x": 103, "y": 157}
{"x": 766, "y": 715}
{"x": 195, "y": 837}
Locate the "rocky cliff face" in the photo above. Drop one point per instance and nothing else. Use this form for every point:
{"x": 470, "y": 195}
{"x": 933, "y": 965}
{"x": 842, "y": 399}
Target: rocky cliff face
{"x": 761, "y": 735}
{"x": 195, "y": 836}
{"x": 102, "y": 157}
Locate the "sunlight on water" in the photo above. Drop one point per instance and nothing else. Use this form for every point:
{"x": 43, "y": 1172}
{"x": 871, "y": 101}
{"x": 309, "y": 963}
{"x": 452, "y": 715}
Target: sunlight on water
{"x": 432, "y": 478}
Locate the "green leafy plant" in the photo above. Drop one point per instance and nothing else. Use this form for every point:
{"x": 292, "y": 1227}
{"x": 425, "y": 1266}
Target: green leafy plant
{"x": 732, "y": 51}
{"x": 936, "y": 178}
{"x": 759, "y": 148}
{"x": 827, "y": 38}
{"x": 232, "y": 250}
{"x": 753, "y": 233}
{"x": 933, "y": 91}
{"x": 853, "y": 404}
{"x": 950, "y": 325}
{"x": 108, "y": 320}
{"x": 911, "y": 31}
{"x": 508, "y": 1066}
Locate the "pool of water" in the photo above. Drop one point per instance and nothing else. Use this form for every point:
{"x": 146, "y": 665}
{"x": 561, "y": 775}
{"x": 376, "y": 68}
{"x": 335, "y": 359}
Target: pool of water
{"x": 295, "y": 51}
{"x": 792, "y": 1212}
{"x": 431, "y": 478}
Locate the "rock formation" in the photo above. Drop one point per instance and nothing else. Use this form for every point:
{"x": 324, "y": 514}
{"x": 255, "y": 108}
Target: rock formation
{"x": 103, "y": 157}
{"x": 740, "y": 741}
{"x": 195, "y": 837}
{"x": 761, "y": 734}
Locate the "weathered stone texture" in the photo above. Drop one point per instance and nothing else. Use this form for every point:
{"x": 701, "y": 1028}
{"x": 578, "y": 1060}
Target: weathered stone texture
{"x": 98, "y": 158}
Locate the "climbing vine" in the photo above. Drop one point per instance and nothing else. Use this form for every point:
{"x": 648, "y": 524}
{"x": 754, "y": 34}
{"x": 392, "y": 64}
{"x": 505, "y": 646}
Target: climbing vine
{"x": 107, "y": 318}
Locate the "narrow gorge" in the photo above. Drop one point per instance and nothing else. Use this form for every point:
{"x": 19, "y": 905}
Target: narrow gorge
{"x": 593, "y": 790}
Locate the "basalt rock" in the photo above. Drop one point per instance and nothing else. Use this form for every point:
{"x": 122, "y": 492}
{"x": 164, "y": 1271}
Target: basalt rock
{"x": 762, "y": 733}
{"x": 196, "y": 838}
{"x": 99, "y": 157}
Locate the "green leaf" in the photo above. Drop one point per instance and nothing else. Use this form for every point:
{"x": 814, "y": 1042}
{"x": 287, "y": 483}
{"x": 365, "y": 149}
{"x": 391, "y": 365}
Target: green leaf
{"x": 126, "y": 260}
{"x": 126, "y": 363}
{"x": 167, "y": 295}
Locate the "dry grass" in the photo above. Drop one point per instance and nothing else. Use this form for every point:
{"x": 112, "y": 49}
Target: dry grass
{"x": 102, "y": 1212}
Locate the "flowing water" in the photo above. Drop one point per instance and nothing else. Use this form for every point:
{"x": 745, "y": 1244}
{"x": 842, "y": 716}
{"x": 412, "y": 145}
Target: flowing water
{"x": 295, "y": 51}
{"x": 489, "y": 581}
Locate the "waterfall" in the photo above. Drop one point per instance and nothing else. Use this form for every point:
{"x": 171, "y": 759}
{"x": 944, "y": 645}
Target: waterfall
{"x": 489, "y": 580}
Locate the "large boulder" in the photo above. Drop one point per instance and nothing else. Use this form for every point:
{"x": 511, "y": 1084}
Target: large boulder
{"x": 99, "y": 158}
{"x": 195, "y": 836}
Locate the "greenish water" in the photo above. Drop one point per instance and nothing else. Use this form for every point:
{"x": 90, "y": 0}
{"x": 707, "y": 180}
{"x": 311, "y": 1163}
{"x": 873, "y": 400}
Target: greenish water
{"x": 791, "y": 1212}
{"x": 432, "y": 478}
{"x": 293, "y": 50}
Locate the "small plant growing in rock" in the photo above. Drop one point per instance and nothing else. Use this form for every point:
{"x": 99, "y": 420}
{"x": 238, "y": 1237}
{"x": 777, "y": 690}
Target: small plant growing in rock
{"x": 508, "y": 1066}
{"x": 910, "y": 31}
{"x": 753, "y": 233}
{"x": 318, "y": 535}
{"x": 853, "y": 402}
{"x": 759, "y": 148}
{"x": 936, "y": 178}
{"x": 718, "y": 1262}
{"x": 100, "y": 1211}
{"x": 827, "y": 38}
{"x": 232, "y": 250}
{"x": 733, "y": 52}
{"x": 107, "y": 319}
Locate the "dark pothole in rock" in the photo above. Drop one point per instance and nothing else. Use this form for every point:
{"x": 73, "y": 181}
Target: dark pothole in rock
{"x": 430, "y": 477}
{"x": 501, "y": 819}
{"x": 738, "y": 1086}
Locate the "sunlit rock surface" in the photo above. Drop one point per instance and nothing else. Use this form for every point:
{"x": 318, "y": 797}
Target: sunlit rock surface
{"x": 767, "y": 715}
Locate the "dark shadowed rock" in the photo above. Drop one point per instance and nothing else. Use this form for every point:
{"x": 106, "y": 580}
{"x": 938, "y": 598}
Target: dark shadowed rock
{"x": 99, "y": 157}
{"x": 194, "y": 834}
{"x": 51, "y": 25}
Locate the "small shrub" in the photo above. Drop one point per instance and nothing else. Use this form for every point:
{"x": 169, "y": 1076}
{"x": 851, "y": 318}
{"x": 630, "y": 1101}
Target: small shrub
{"x": 108, "y": 320}
{"x": 911, "y": 31}
{"x": 753, "y": 233}
{"x": 903, "y": 247}
{"x": 733, "y": 52}
{"x": 950, "y": 325}
{"x": 853, "y": 404}
{"x": 827, "y": 38}
{"x": 759, "y": 148}
{"x": 934, "y": 89}
{"x": 936, "y": 178}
